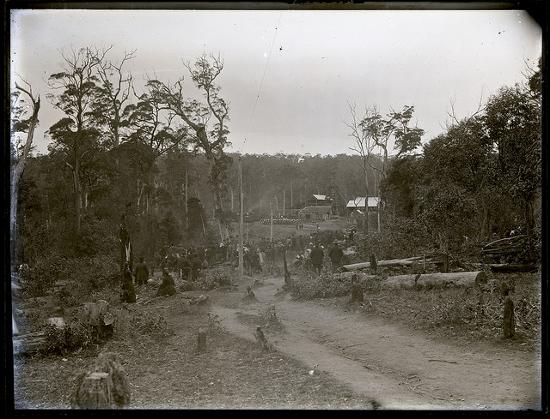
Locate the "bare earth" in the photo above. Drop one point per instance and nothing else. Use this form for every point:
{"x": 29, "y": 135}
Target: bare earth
{"x": 399, "y": 368}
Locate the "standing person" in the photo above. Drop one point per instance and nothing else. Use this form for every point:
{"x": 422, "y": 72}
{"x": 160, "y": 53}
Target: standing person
{"x": 128, "y": 292}
{"x": 317, "y": 258}
{"x": 141, "y": 272}
{"x": 336, "y": 254}
{"x": 261, "y": 259}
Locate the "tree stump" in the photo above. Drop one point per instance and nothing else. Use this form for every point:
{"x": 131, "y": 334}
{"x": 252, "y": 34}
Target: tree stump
{"x": 356, "y": 293}
{"x": 95, "y": 391}
{"x": 373, "y": 264}
{"x": 509, "y": 321}
{"x": 105, "y": 386}
{"x": 201, "y": 341}
{"x": 261, "y": 339}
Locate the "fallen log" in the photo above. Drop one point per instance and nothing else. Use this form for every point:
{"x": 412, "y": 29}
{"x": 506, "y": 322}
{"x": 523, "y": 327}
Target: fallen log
{"x": 29, "y": 343}
{"x": 389, "y": 262}
{"x": 449, "y": 279}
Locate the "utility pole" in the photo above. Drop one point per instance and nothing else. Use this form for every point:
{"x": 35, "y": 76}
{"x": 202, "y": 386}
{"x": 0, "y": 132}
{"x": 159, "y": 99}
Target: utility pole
{"x": 284, "y": 202}
{"x": 241, "y": 221}
{"x": 271, "y": 221}
{"x": 291, "y": 205}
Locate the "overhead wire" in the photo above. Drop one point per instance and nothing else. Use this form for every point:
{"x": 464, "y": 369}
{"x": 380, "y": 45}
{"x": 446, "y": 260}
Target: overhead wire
{"x": 254, "y": 106}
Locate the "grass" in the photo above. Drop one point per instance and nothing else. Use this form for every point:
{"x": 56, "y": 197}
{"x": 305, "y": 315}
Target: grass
{"x": 165, "y": 371}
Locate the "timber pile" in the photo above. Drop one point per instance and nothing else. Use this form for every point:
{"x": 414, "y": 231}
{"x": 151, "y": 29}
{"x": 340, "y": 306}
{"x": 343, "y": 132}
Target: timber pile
{"x": 29, "y": 343}
{"x": 506, "y": 247}
{"x": 450, "y": 279}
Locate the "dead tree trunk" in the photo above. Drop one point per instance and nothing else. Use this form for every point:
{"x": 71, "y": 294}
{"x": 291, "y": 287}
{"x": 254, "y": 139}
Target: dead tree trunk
{"x": 20, "y": 165}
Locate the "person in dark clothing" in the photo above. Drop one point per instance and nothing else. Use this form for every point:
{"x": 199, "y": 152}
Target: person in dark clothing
{"x": 316, "y": 257}
{"x": 168, "y": 286}
{"x": 128, "y": 292}
{"x": 336, "y": 254}
{"x": 186, "y": 267}
{"x": 141, "y": 272}
{"x": 196, "y": 265}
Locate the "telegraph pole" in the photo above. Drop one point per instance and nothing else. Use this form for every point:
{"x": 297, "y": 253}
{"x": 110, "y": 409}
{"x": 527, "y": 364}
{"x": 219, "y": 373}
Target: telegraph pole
{"x": 241, "y": 221}
{"x": 271, "y": 221}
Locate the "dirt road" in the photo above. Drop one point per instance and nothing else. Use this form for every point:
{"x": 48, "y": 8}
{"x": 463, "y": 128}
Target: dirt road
{"x": 399, "y": 368}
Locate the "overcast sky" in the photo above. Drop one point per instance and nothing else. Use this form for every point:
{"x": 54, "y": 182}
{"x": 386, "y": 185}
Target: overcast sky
{"x": 306, "y": 66}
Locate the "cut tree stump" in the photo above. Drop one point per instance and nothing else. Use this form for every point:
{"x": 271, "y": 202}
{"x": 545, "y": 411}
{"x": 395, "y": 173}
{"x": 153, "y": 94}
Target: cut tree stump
{"x": 95, "y": 391}
{"x": 356, "y": 293}
{"x": 201, "y": 341}
{"x": 261, "y": 339}
{"x": 457, "y": 279}
{"x": 104, "y": 386}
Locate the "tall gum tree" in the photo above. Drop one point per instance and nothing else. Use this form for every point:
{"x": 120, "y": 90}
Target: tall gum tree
{"x": 207, "y": 119}
{"x": 77, "y": 133}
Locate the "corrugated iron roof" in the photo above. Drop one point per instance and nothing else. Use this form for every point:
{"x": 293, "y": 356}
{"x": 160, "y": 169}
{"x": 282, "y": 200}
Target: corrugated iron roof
{"x": 359, "y": 202}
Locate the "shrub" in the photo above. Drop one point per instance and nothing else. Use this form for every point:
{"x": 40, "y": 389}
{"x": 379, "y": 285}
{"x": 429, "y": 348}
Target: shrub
{"x": 69, "y": 338}
{"x": 135, "y": 325}
{"x": 39, "y": 278}
{"x": 308, "y": 285}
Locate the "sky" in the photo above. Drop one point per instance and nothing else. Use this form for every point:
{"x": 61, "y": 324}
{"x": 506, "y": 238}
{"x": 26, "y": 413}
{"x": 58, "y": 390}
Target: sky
{"x": 289, "y": 76}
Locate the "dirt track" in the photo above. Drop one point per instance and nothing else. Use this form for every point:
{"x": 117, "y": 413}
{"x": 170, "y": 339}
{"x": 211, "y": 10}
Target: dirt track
{"x": 399, "y": 368}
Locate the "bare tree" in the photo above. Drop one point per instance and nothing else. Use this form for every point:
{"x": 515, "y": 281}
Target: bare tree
{"x": 364, "y": 146}
{"x": 207, "y": 120}
{"x": 114, "y": 92}
{"x": 23, "y": 125}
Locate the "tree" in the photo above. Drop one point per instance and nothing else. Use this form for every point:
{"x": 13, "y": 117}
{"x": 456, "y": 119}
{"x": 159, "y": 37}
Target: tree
{"x": 22, "y": 122}
{"x": 364, "y": 146}
{"x": 77, "y": 134}
{"x": 207, "y": 121}
{"x": 374, "y": 131}
{"x": 513, "y": 122}
{"x": 112, "y": 94}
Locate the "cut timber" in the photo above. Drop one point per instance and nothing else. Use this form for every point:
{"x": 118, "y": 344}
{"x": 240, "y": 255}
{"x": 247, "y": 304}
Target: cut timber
{"x": 29, "y": 343}
{"x": 457, "y": 279}
{"x": 389, "y": 262}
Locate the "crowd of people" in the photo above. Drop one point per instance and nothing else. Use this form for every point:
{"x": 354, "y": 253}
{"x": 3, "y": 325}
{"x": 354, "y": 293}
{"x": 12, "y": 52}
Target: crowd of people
{"x": 262, "y": 256}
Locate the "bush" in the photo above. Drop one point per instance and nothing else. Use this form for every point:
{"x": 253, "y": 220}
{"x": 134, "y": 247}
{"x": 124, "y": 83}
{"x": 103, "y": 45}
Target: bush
{"x": 73, "y": 336}
{"x": 136, "y": 325}
{"x": 308, "y": 285}
{"x": 40, "y": 277}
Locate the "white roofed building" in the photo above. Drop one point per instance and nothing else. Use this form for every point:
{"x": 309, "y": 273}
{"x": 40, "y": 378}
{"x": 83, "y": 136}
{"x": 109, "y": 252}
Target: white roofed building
{"x": 359, "y": 203}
